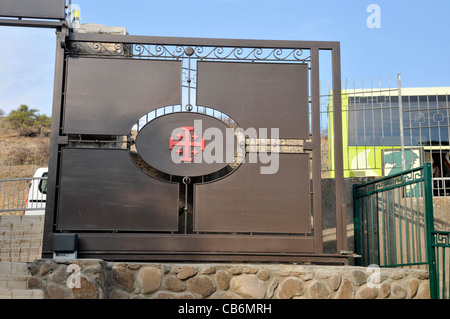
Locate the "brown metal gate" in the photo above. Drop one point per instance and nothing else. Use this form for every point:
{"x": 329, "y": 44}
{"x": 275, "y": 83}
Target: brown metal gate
{"x": 190, "y": 149}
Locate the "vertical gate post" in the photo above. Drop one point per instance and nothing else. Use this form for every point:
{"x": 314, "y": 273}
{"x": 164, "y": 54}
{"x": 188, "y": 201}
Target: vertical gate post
{"x": 55, "y": 140}
{"x": 341, "y": 218}
{"x": 429, "y": 228}
{"x": 356, "y": 225}
{"x": 317, "y": 169}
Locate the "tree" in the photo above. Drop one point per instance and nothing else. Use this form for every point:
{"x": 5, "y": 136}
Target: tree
{"x": 42, "y": 122}
{"x": 27, "y": 121}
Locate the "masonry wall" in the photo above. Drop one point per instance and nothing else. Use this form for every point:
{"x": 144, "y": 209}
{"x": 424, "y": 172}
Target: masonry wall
{"x": 98, "y": 279}
{"x": 21, "y": 238}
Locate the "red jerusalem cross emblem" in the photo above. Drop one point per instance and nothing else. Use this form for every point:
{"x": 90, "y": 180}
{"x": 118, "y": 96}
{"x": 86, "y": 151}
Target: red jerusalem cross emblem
{"x": 185, "y": 142}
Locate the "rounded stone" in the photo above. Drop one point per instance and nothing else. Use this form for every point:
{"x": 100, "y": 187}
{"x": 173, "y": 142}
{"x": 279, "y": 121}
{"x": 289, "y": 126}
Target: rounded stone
{"x": 423, "y": 275}
{"x": 47, "y": 267}
{"x": 133, "y": 266}
{"x": 57, "y": 292}
{"x": 249, "y": 286}
{"x": 149, "y": 279}
{"x": 59, "y": 275}
{"x": 346, "y": 290}
{"x": 174, "y": 284}
{"x": 223, "y": 280}
{"x": 271, "y": 288}
{"x": 209, "y": 270}
{"x": 367, "y": 293}
{"x": 87, "y": 290}
{"x": 398, "y": 292}
{"x": 306, "y": 276}
{"x": 423, "y": 292}
{"x": 35, "y": 267}
{"x": 290, "y": 287}
{"x": 263, "y": 274}
{"x": 413, "y": 287}
{"x": 334, "y": 282}
{"x": 201, "y": 285}
{"x": 319, "y": 290}
{"x": 249, "y": 270}
{"x": 359, "y": 277}
{"x": 186, "y": 272}
{"x": 34, "y": 283}
{"x": 123, "y": 278}
{"x": 396, "y": 275}
{"x": 235, "y": 270}
{"x": 384, "y": 290}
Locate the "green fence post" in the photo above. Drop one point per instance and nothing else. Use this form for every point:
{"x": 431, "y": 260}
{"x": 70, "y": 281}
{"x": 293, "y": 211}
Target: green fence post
{"x": 356, "y": 225}
{"x": 429, "y": 224}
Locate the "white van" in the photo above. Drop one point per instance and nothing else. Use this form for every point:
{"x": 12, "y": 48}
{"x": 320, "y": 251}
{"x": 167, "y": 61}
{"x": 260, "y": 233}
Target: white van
{"x": 37, "y": 193}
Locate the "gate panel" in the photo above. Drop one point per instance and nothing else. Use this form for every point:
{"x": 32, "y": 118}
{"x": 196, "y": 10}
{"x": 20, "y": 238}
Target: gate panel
{"x": 259, "y": 95}
{"x": 103, "y": 190}
{"x": 107, "y": 96}
{"x": 45, "y": 9}
{"x": 248, "y": 201}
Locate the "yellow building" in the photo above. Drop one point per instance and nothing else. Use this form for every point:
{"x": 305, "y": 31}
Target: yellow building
{"x": 374, "y": 134}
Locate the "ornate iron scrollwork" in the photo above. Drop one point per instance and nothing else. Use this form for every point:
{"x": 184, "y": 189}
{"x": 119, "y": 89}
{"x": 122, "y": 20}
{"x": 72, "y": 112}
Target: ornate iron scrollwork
{"x": 151, "y": 51}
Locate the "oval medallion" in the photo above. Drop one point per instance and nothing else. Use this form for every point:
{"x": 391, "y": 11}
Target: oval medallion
{"x": 186, "y": 144}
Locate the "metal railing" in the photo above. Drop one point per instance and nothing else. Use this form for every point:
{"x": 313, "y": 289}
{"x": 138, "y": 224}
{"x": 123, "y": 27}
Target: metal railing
{"x": 394, "y": 226}
{"x": 440, "y": 245}
{"x": 20, "y": 195}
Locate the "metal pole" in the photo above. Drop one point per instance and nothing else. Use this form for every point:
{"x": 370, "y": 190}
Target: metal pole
{"x": 317, "y": 162}
{"x": 341, "y": 217}
{"x": 400, "y": 114}
{"x": 429, "y": 229}
{"x": 55, "y": 139}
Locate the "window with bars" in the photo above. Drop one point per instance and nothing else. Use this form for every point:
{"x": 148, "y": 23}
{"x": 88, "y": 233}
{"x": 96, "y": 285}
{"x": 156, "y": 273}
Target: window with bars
{"x": 373, "y": 121}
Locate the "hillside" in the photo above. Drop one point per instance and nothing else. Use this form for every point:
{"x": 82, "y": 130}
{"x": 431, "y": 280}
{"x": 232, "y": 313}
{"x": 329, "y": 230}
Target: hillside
{"x": 19, "y": 155}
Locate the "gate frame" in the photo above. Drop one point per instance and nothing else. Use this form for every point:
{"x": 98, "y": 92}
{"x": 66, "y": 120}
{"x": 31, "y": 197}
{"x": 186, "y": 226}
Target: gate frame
{"x": 65, "y": 37}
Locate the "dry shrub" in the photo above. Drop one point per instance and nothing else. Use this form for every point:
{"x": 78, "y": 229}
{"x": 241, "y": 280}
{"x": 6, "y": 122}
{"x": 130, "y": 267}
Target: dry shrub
{"x": 28, "y": 154}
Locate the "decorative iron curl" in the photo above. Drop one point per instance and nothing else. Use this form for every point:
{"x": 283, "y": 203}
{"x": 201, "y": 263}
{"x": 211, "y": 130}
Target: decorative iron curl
{"x": 442, "y": 239}
{"x": 398, "y": 180}
{"x": 419, "y": 174}
{"x": 379, "y": 186}
{"x": 112, "y": 49}
{"x": 141, "y": 50}
{"x": 408, "y": 177}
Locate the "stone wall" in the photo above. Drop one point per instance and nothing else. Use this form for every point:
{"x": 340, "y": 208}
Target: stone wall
{"x": 97, "y": 279}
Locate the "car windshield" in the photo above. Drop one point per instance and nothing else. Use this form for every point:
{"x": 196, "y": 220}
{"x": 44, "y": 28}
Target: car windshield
{"x": 43, "y": 184}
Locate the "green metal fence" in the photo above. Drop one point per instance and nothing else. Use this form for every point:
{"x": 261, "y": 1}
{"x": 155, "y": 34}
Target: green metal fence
{"x": 440, "y": 243}
{"x": 394, "y": 226}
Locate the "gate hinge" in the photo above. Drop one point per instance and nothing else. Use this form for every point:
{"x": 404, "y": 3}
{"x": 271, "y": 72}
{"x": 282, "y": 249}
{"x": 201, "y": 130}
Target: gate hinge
{"x": 349, "y": 253}
{"x": 63, "y": 140}
{"x": 308, "y": 146}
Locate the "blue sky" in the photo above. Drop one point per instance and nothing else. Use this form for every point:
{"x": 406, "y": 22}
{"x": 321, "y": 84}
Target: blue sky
{"x": 412, "y": 39}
